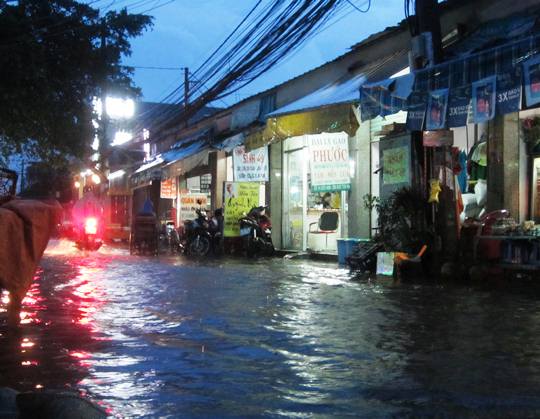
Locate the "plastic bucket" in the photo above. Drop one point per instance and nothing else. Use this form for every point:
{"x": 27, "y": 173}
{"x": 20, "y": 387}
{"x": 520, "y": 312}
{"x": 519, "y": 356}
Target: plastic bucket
{"x": 345, "y": 247}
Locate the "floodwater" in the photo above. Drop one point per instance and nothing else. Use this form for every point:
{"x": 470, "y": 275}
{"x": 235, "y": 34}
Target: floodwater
{"x": 170, "y": 337}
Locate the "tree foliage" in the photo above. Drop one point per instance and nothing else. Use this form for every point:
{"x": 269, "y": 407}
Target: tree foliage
{"x": 55, "y": 56}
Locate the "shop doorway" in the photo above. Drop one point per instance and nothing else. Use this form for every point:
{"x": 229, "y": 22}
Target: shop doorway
{"x": 305, "y": 224}
{"x": 536, "y": 190}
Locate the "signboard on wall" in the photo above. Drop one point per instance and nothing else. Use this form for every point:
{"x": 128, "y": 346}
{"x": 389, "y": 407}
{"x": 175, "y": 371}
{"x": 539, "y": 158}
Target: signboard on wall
{"x": 188, "y": 205}
{"x": 168, "y": 188}
{"x": 329, "y": 160}
{"x": 238, "y": 199}
{"x": 395, "y": 158}
{"x": 250, "y": 166}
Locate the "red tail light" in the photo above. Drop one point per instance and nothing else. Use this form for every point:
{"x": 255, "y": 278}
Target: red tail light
{"x": 266, "y": 224}
{"x": 90, "y": 225}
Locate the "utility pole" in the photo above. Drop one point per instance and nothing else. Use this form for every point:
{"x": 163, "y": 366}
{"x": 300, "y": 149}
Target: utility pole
{"x": 186, "y": 93}
{"x": 428, "y": 25}
{"x": 444, "y": 216}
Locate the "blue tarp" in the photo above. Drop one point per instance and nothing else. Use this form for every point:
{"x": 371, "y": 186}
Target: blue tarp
{"x": 341, "y": 91}
{"x": 183, "y": 152}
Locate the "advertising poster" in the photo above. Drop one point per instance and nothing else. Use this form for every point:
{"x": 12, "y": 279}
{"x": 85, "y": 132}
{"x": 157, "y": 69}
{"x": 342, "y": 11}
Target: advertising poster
{"x": 531, "y": 74}
{"x": 416, "y": 111}
{"x": 509, "y": 91}
{"x": 329, "y": 159}
{"x": 459, "y": 103}
{"x": 436, "y": 111}
{"x": 396, "y": 165}
{"x": 168, "y": 189}
{"x": 188, "y": 205}
{"x": 483, "y": 99}
{"x": 238, "y": 199}
{"x": 250, "y": 166}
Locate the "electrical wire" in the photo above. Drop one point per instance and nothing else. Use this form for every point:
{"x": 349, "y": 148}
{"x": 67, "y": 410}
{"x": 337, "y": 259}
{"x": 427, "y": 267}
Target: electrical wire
{"x": 358, "y": 9}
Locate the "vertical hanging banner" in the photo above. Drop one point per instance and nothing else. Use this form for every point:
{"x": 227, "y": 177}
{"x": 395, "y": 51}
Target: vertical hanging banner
{"x": 250, "y": 166}
{"x": 436, "y": 110}
{"x": 531, "y": 74}
{"x": 459, "y": 103}
{"x": 509, "y": 91}
{"x": 168, "y": 188}
{"x": 329, "y": 160}
{"x": 416, "y": 111}
{"x": 483, "y": 99}
{"x": 238, "y": 199}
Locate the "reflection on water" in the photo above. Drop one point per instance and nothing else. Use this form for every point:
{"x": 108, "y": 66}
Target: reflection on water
{"x": 169, "y": 338}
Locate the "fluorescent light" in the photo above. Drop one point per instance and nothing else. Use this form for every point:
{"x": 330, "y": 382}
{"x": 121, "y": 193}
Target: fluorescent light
{"x": 118, "y": 108}
{"x": 121, "y": 137}
{"x": 117, "y": 174}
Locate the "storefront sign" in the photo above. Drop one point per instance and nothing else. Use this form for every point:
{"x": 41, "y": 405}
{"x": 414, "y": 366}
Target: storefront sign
{"x": 531, "y": 73}
{"x": 189, "y": 203}
{"x": 238, "y": 199}
{"x": 459, "y": 104}
{"x": 396, "y": 165}
{"x": 436, "y": 112}
{"x": 416, "y": 111}
{"x": 329, "y": 160}
{"x": 168, "y": 188}
{"x": 439, "y": 138}
{"x": 250, "y": 166}
{"x": 483, "y": 99}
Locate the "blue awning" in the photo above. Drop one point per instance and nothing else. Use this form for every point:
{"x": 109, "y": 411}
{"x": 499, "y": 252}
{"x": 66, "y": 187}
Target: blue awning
{"x": 230, "y": 143}
{"x": 181, "y": 153}
{"x": 341, "y": 91}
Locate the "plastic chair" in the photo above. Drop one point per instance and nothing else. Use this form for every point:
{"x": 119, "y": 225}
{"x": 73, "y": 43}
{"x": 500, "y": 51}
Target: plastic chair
{"x": 327, "y": 224}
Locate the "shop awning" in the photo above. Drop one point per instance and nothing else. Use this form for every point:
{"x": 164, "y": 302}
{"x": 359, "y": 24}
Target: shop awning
{"x": 182, "y": 149}
{"x": 339, "y": 92}
{"x": 230, "y": 143}
{"x": 336, "y": 118}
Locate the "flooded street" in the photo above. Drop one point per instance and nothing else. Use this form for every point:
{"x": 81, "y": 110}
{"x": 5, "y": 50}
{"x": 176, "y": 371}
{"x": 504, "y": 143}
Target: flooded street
{"x": 170, "y": 337}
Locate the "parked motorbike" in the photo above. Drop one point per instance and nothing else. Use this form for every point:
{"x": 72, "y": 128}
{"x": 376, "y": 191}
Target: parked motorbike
{"x": 89, "y": 235}
{"x": 203, "y": 234}
{"x": 170, "y": 238}
{"x": 196, "y": 235}
{"x": 256, "y": 231}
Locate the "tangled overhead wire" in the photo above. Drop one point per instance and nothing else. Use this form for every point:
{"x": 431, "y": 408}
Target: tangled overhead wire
{"x": 270, "y": 32}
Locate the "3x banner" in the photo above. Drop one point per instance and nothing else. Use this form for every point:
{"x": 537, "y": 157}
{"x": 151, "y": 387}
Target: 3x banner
{"x": 474, "y": 102}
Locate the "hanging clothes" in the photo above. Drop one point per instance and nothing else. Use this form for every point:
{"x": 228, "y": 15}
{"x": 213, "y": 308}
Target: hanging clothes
{"x": 477, "y": 164}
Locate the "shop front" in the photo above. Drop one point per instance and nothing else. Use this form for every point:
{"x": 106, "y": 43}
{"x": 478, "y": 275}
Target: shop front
{"x": 476, "y": 148}
{"x": 316, "y": 178}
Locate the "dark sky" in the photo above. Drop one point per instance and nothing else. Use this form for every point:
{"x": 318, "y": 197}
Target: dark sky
{"x": 186, "y": 32}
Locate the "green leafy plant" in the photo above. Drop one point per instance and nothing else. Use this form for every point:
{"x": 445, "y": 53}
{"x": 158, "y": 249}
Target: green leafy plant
{"x": 402, "y": 221}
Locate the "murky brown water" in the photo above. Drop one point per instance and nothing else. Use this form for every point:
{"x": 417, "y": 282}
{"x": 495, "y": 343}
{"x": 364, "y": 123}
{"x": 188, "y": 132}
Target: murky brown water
{"x": 174, "y": 338}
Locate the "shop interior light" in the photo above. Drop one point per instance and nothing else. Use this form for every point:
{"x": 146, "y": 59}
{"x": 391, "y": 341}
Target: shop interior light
{"x": 95, "y": 143}
{"x": 96, "y": 179}
{"x": 77, "y": 184}
{"x": 117, "y": 174}
{"x": 122, "y": 137}
{"x": 118, "y": 108}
